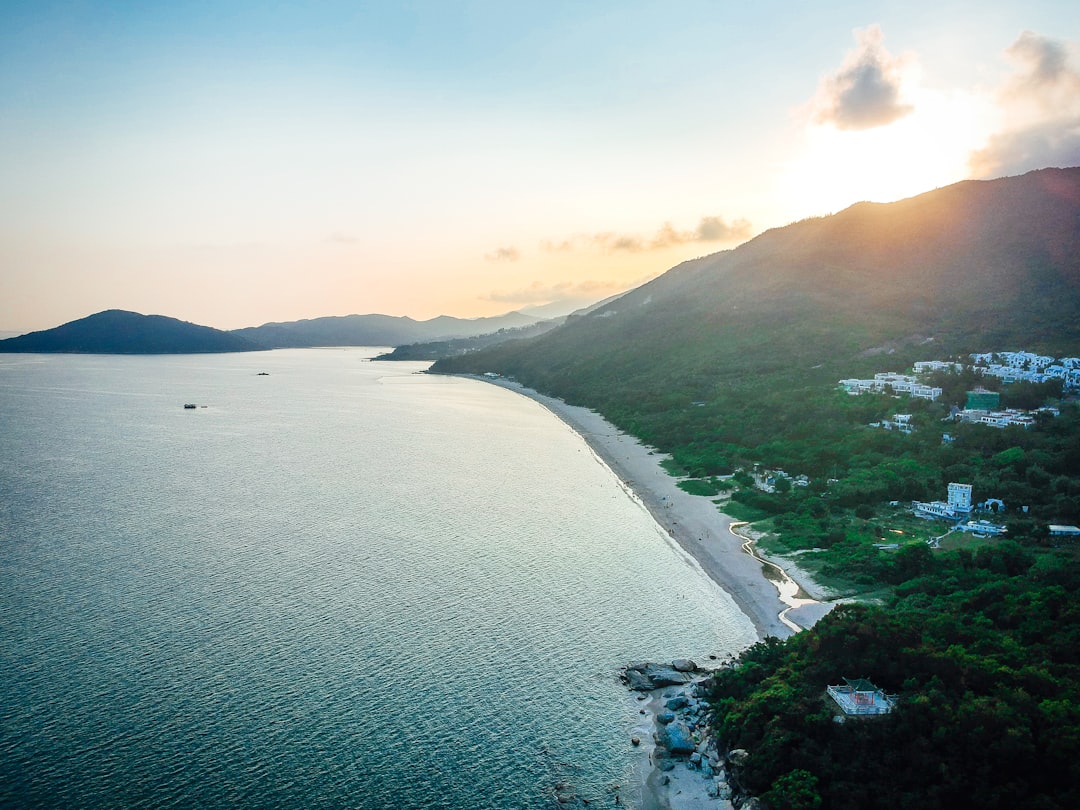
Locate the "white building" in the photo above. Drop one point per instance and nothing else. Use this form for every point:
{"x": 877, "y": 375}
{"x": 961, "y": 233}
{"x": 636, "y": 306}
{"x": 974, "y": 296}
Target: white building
{"x": 958, "y": 505}
{"x": 898, "y": 383}
{"x": 960, "y": 497}
{"x": 983, "y": 527}
{"x": 925, "y": 366}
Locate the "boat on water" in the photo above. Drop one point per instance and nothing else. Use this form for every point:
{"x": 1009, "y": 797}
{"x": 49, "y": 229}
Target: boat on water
{"x": 189, "y": 406}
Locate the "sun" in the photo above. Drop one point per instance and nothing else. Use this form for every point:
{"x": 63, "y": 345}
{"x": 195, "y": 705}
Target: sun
{"x": 929, "y": 148}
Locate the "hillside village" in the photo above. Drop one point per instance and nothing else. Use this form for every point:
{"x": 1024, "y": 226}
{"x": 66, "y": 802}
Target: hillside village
{"x": 982, "y": 407}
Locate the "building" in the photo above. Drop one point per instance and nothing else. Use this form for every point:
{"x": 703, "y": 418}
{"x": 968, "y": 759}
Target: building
{"x": 887, "y": 381}
{"x": 926, "y": 366}
{"x": 960, "y": 497}
{"x": 982, "y": 400}
{"x": 958, "y": 506}
{"x": 861, "y": 697}
{"x": 983, "y": 528}
{"x": 1057, "y": 530}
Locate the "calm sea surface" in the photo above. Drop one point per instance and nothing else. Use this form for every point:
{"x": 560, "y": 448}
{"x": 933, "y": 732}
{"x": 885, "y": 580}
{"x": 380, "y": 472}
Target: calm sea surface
{"x": 344, "y": 584}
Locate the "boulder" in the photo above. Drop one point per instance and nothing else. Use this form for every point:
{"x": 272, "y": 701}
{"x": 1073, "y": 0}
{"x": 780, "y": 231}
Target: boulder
{"x": 664, "y": 718}
{"x": 677, "y": 738}
{"x": 683, "y": 665}
{"x": 639, "y": 681}
{"x": 667, "y": 676}
{"x": 677, "y": 703}
{"x": 737, "y": 758}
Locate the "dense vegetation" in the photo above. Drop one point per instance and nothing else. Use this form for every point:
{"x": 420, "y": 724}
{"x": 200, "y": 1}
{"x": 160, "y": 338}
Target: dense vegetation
{"x": 453, "y": 347}
{"x": 731, "y": 362}
{"x": 984, "y": 651}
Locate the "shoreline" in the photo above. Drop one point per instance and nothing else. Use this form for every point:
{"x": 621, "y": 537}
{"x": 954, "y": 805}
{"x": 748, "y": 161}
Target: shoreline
{"x": 694, "y": 522}
{"x": 762, "y": 588}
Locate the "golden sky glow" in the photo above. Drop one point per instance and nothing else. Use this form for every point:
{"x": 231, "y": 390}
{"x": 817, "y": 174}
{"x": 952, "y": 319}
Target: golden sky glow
{"x": 234, "y": 163}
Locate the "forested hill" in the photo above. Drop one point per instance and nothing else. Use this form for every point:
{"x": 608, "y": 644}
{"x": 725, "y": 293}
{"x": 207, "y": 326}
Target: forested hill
{"x": 978, "y": 265}
{"x": 117, "y": 331}
{"x": 377, "y": 330}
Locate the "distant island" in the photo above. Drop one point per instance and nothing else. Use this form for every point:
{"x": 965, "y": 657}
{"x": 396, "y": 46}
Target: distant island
{"x": 117, "y": 331}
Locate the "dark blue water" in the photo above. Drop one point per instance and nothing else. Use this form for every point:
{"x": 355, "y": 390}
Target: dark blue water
{"x": 340, "y": 585}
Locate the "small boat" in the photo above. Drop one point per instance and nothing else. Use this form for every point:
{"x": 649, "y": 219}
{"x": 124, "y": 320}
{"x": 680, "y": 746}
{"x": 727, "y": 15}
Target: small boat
{"x": 189, "y": 406}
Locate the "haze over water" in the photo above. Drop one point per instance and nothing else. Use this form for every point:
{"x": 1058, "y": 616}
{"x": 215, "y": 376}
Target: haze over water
{"x": 340, "y": 585}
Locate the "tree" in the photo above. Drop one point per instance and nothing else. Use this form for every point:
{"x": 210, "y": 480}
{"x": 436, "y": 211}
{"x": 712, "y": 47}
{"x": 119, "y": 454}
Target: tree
{"x": 795, "y": 790}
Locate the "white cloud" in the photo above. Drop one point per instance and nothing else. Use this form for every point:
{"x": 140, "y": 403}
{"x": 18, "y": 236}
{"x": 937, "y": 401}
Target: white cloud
{"x": 1041, "y": 105}
{"x": 709, "y": 229}
{"x": 503, "y": 254}
{"x": 866, "y": 91}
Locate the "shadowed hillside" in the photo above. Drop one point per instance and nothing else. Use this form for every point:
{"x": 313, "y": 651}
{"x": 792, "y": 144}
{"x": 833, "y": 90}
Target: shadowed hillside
{"x": 116, "y": 331}
{"x": 376, "y": 330}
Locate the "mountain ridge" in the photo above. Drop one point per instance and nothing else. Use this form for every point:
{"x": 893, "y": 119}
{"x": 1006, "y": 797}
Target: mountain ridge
{"x": 118, "y": 331}
{"x": 976, "y": 266}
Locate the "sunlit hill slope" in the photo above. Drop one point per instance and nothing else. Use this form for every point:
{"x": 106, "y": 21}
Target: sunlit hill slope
{"x": 979, "y": 265}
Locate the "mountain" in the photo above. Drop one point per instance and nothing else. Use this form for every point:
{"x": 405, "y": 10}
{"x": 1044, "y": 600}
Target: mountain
{"x": 376, "y": 330}
{"x": 436, "y": 349}
{"x": 979, "y": 265}
{"x": 116, "y": 331}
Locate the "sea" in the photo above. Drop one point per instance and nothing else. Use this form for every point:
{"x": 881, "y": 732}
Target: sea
{"x": 334, "y": 583}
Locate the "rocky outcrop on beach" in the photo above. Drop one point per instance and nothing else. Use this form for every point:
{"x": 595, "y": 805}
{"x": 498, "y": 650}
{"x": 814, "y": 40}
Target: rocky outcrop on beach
{"x": 646, "y": 677}
{"x": 691, "y": 767}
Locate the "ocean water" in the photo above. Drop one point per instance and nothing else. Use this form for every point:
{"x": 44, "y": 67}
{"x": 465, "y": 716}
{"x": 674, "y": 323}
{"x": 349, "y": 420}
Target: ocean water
{"x": 341, "y": 584}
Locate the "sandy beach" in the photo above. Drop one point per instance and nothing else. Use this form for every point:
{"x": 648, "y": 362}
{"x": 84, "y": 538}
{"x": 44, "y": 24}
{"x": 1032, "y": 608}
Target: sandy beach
{"x": 775, "y": 604}
{"x": 693, "y": 521}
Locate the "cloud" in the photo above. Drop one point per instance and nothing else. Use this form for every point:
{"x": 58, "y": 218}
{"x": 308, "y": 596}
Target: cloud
{"x": 865, "y": 92}
{"x": 709, "y": 229}
{"x": 503, "y": 254}
{"x": 339, "y": 238}
{"x": 542, "y": 293}
{"x": 1041, "y": 103}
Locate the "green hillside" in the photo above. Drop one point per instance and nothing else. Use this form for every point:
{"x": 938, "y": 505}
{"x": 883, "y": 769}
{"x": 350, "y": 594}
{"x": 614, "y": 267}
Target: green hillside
{"x": 755, "y": 334}
{"x": 733, "y": 360}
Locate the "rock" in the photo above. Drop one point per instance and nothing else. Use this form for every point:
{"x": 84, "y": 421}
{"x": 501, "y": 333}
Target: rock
{"x": 737, "y": 758}
{"x": 666, "y": 765}
{"x": 723, "y": 791}
{"x": 683, "y": 665}
{"x": 677, "y": 738}
{"x": 666, "y": 676}
{"x": 695, "y": 757}
{"x": 635, "y": 741}
{"x": 677, "y": 703}
{"x": 664, "y": 718}
{"x": 665, "y": 779}
{"x": 713, "y": 791}
{"x": 706, "y": 769}
{"x": 639, "y": 681}
{"x": 751, "y": 804}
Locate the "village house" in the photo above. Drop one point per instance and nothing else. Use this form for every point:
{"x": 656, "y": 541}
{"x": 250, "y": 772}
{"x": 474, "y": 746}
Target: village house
{"x": 957, "y": 507}
{"x": 889, "y": 381}
{"x": 861, "y": 697}
{"x": 983, "y": 528}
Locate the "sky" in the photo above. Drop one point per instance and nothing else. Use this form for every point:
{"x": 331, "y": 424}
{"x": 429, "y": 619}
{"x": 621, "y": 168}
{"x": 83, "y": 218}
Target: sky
{"x": 233, "y": 163}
